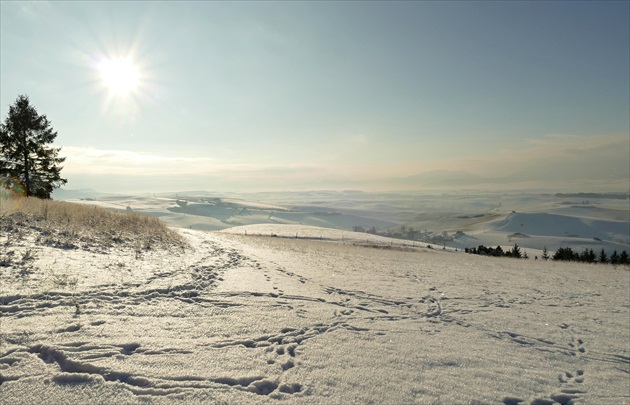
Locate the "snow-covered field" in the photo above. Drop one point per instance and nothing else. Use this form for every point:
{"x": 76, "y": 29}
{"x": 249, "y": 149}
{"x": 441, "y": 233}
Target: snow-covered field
{"x": 533, "y": 221}
{"x": 237, "y": 319}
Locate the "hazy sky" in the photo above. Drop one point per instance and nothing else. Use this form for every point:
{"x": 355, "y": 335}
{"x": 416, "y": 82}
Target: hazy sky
{"x": 312, "y": 95}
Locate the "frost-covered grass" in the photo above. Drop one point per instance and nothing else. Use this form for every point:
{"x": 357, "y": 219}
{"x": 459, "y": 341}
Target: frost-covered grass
{"x": 72, "y": 225}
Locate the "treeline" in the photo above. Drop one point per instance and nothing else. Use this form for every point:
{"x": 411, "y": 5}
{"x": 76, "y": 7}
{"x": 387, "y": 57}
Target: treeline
{"x": 515, "y": 252}
{"x": 615, "y": 196}
{"x": 589, "y": 256}
{"x": 562, "y": 254}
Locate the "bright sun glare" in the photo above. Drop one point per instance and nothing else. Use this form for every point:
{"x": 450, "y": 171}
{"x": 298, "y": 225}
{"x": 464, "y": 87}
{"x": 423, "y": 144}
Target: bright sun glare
{"x": 120, "y": 76}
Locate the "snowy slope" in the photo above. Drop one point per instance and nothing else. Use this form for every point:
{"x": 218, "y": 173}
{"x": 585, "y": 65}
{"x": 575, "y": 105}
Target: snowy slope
{"x": 561, "y": 225}
{"x": 250, "y": 319}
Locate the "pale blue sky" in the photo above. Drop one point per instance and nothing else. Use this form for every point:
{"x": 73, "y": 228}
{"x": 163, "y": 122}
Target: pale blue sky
{"x": 310, "y": 95}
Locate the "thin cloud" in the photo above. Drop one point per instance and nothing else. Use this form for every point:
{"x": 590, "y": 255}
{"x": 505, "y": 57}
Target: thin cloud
{"x": 120, "y": 162}
{"x": 82, "y": 160}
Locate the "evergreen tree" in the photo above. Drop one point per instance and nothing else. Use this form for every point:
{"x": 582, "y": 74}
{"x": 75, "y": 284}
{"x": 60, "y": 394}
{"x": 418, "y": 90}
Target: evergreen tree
{"x": 516, "y": 252}
{"x": 499, "y": 251}
{"x": 566, "y": 254}
{"x": 603, "y": 258}
{"x": 545, "y": 254}
{"x": 25, "y": 153}
{"x": 587, "y": 256}
{"x": 624, "y": 258}
{"x": 614, "y": 257}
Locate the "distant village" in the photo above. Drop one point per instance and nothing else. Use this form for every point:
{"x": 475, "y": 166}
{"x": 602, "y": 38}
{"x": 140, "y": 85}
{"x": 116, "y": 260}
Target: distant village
{"x": 409, "y": 233}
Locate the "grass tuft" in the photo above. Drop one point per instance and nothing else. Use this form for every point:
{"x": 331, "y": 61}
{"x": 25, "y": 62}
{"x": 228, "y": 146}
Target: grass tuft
{"x": 70, "y": 225}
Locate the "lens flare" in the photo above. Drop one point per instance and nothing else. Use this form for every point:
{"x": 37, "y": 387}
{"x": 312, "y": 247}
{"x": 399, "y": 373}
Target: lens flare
{"x": 13, "y": 185}
{"x": 11, "y": 188}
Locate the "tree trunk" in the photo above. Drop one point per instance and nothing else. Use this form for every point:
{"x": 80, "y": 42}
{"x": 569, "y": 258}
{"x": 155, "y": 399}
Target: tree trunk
{"x": 27, "y": 177}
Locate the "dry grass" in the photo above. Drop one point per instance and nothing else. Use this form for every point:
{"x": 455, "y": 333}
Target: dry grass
{"x": 71, "y": 225}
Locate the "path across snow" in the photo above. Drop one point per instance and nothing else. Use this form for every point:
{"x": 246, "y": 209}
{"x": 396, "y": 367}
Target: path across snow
{"x": 249, "y": 319}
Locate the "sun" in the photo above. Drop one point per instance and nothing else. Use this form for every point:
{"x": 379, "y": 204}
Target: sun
{"x": 120, "y": 76}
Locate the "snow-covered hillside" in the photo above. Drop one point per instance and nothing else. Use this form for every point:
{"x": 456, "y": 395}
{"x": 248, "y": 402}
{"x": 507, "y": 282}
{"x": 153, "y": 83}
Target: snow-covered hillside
{"x": 561, "y": 225}
{"x": 251, "y": 319}
{"x": 533, "y": 221}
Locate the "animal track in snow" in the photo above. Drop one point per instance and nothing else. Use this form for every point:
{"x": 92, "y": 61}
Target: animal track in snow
{"x": 356, "y": 302}
{"x": 344, "y": 312}
{"x": 571, "y": 392}
{"x": 570, "y": 378}
{"x": 578, "y": 346}
{"x": 203, "y": 274}
{"x": 80, "y": 370}
{"x": 300, "y": 278}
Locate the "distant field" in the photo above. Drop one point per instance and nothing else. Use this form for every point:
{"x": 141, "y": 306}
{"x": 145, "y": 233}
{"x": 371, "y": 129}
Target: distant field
{"x": 533, "y": 221}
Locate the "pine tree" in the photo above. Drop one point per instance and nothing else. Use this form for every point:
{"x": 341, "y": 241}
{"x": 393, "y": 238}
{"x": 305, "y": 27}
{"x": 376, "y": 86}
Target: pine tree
{"x": 603, "y": 258}
{"x": 25, "y": 154}
{"x": 624, "y": 258}
{"x": 587, "y": 256}
{"x": 499, "y": 251}
{"x": 516, "y": 252}
{"x": 566, "y": 254}
{"x": 545, "y": 254}
{"x": 614, "y": 257}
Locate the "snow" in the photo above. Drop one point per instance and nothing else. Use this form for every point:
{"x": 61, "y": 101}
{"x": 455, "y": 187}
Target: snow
{"x": 238, "y": 318}
{"x": 533, "y": 221}
{"x": 562, "y": 225}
